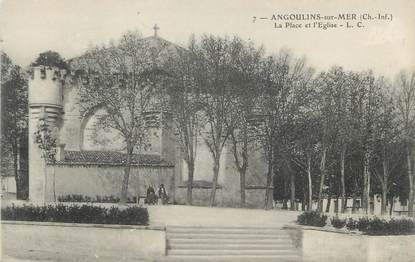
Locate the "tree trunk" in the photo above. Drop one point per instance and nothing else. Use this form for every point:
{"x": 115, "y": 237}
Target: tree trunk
{"x": 292, "y": 189}
{"x": 16, "y": 171}
{"x": 268, "y": 192}
{"x": 354, "y": 203}
{"x": 54, "y": 183}
{"x": 391, "y": 205}
{"x": 241, "y": 167}
{"x": 342, "y": 183}
{"x": 216, "y": 166}
{"x": 384, "y": 200}
{"x": 18, "y": 176}
{"x": 411, "y": 196}
{"x": 384, "y": 185}
{"x": 366, "y": 184}
{"x": 336, "y": 205}
{"x": 126, "y": 178}
{"x": 345, "y": 205}
{"x": 364, "y": 195}
{"x": 190, "y": 170}
{"x": 323, "y": 177}
{"x": 284, "y": 203}
{"x": 310, "y": 185}
{"x": 328, "y": 203}
{"x": 45, "y": 182}
{"x": 368, "y": 198}
{"x": 23, "y": 172}
{"x": 304, "y": 200}
{"x": 242, "y": 175}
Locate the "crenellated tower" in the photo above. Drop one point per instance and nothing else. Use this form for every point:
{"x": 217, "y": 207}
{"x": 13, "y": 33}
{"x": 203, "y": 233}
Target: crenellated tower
{"x": 45, "y": 107}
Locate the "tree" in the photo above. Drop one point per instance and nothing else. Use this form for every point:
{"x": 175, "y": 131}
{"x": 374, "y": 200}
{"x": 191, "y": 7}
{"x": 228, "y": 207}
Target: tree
{"x": 327, "y": 84}
{"x": 185, "y": 105}
{"x": 345, "y": 128}
{"x": 215, "y": 60}
{"x": 14, "y": 122}
{"x": 5, "y": 65}
{"x": 51, "y": 59}
{"x": 124, "y": 80}
{"x": 247, "y": 67}
{"x": 364, "y": 107}
{"x": 405, "y": 84}
{"x": 371, "y": 113}
{"x": 284, "y": 88}
{"x": 386, "y": 144}
{"x": 357, "y": 99}
{"x": 306, "y": 150}
{"x": 46, "y": 139}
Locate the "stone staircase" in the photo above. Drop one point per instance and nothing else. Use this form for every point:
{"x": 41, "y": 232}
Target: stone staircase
{"x": 230, "y": 244}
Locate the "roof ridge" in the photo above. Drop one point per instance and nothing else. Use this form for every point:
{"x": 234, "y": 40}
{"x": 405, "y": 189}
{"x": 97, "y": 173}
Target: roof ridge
{"x": 110, "y": 151}
{"x": 115, "y": 158}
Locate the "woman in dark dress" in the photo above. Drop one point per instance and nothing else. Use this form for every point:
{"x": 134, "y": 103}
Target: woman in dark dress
{"x": 162, "y": 193}
{"x": 151, "y": 197}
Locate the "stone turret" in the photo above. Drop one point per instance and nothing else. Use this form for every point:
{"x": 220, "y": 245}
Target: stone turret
{"x": 45, "y": 106}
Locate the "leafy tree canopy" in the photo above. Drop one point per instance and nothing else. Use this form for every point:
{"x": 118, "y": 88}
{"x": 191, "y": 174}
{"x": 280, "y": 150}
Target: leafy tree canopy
{"x": 50, "y": 58}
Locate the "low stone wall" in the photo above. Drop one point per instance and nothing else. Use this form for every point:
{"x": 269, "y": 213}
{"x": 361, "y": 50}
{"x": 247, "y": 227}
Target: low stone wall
{"x": 225, "y": 197}
{"x": 201, "y": 197}
{"x": 326, "y": 247}
{"x": 105, "y": 181}
{"x": 126, "y": 242}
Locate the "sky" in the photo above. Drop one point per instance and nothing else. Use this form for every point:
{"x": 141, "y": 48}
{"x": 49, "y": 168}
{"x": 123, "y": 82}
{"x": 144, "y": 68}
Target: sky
{"x": 28, "y": 27}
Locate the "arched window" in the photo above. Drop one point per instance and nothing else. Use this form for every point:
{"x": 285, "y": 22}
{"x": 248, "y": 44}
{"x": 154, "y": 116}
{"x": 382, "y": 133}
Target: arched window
{"x": 96, "y": 136}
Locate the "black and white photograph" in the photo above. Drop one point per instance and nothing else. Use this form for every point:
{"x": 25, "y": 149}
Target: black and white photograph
{"x": 185, "y": 130}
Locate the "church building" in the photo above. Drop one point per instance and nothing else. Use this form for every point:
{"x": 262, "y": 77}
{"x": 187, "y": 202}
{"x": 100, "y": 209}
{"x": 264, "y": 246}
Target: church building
{"x": 90, "y": 162}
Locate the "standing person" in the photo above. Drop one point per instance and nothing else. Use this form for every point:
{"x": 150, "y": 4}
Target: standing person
{"x": 151, "y": 196}
{"x": 162, "y": 193}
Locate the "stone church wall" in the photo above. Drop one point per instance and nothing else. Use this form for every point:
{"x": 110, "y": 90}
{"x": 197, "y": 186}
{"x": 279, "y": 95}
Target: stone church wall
{"x": 70, "y": 131}
{"x": 106, "y": 181}
{"x": 229, "y": 193}
{"x": 201, "y": 197}
{"x": 255, "y": 197}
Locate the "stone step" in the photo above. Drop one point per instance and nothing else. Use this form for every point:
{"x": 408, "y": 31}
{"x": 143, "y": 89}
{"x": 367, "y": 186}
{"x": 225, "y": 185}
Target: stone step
{"x": 229, "y": 241}
{"x": 220, "y": 235}
{"x": 239, "y": 243}
{"x": 233, "y": 246}
{"x": 236, "y": 258}
{"x": 246, "y": 252}
{"x": 228, "y": 231}
{"x": 228, "y": 227}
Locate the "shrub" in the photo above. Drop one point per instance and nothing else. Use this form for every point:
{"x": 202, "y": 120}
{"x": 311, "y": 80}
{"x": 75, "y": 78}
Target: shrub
{"x": 392, "y": 227}
{"x": 338, "y": 222}
{"x": 352, "y": 224}
{"x": 361, "y": 224}
{"x": 77, "y": 214}
{"x": 370, "y": 226}
{"x": 378, "y": 226}
{"x": 312, "y": 218}
{"x": 96, "y": 199}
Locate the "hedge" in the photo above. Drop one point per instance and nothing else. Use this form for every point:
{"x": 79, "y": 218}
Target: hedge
{"x": 338, "y": 222}
{"x": 369, "y": 226}
{"x": 96, "y": 199}
{"x": 312, "y": 218}
{"x": 379, "y": 226}
{"x": 88, "y": 214}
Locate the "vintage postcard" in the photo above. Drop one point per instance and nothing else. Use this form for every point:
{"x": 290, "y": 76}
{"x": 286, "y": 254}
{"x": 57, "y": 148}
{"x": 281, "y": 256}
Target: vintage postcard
{"x": 184, "y": 130}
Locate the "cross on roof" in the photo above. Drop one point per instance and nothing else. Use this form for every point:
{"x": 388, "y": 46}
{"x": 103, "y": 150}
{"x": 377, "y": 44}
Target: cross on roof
{"x": 155, "y": 28}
